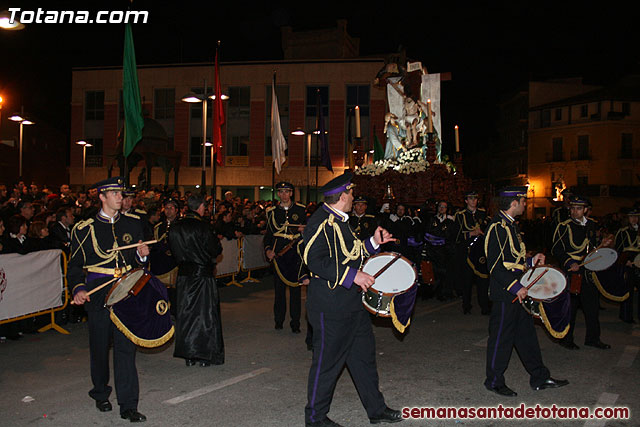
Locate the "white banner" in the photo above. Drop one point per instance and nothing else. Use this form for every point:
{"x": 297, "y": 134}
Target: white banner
{"x": 253, "y": 252}
{"x": 228, "y": 262}
{"x": 30, "y": 283}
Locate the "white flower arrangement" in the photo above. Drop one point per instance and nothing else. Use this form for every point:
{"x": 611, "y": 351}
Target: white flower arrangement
{"x": 407, "y": 162}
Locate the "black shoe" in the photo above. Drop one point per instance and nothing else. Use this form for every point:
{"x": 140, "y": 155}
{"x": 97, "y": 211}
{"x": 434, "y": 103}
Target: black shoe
{"x": 387, "y": 416}
{"x": 133, "y": 416}
{"x": 205, "y": 363}
{"x": 278, "y": 325}
{"x": 551, "y": 383}
{"x": 295, "y": 330}
{"x": 502, "y": 390}
{"x": 598, "y": 344}
{"x": 569, "y": 345}
{"x": 103, "y": 405}
{"x": 324, "y": 423}
{"x": 189, "y": 362}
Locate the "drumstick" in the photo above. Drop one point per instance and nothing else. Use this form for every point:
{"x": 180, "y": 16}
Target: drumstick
{"x": 533, "y": 283}
{"x": 383, "y": 269}
{"x": 96, "y": 289}
{"x": 133, "y": 245}
{"x": 534, "y": 267}
{"x": 591, "y": 260}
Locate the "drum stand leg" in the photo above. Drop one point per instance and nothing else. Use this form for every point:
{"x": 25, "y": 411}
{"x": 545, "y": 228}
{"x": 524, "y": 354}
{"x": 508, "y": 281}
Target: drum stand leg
{"x": 54, "y": 325}
{"x": 249, "y": 278}
{"x": 234, "y": 281}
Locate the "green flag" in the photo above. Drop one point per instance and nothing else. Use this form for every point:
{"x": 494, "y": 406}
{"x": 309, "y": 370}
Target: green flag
{"x": 378, "y": 152}
{"x": 133, "y": 121}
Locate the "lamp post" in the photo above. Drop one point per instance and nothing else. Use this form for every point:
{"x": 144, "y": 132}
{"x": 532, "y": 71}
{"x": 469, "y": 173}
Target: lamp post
{"x": 193, "y": 98}
{"x": 22, "y": 121}
{"x": 84, "y": 145}
{"x": 301, "y": 132}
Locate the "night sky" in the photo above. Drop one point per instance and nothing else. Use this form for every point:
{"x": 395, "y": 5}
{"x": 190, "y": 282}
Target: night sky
{"x": 490, "y": 48}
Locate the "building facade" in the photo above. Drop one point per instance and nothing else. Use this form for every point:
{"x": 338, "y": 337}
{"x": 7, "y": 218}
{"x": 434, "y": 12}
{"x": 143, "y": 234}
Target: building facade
{"x": 589, "y": 142}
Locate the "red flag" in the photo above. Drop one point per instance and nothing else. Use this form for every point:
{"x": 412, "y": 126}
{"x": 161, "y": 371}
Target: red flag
{"x": 218, "y": 116}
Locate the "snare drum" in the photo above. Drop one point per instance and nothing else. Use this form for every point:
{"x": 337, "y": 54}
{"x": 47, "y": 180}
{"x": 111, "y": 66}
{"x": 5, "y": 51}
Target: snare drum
{"x": 600, "y": 259}
{"x": 549, "y": 282}
{"x": 126, "y": 286}
{"x": 399, "y": 278}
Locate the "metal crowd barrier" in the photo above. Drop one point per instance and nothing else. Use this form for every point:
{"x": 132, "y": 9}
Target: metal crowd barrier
{"x": 22, "y": 277}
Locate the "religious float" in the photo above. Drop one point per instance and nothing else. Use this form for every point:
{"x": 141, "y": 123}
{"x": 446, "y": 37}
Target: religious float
{"x": 413, "y": 169}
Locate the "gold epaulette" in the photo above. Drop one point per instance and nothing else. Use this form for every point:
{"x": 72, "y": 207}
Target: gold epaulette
{"x": 83, "y": 224}
{"x": 369, "y": 216}
{"x": 481, "y": 209}
{"x": 301, "y": 205}
{"x": 141, "y": 212}
{"x": 270, "y": 209}
{"x": 461, "y": 212}
{"x": 132, "y": 216}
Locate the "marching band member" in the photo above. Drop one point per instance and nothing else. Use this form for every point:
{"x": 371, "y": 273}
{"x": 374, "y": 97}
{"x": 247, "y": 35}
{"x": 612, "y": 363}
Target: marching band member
{"x": 627, "y": 243}
{"x": 90, "y": 240}
{"x": 284, "y": 227}
{"x": 572, "y": 241}
{"x": 510, "y": 325}
{"x": 342, "y": 332}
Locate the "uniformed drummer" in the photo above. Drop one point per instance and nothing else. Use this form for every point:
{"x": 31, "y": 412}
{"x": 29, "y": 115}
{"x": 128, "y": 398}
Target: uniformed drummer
{"x": 628, "y": 247}
{"x": 573, "y": 239}
{"x": 510, "y": 325}
{"x": 161, "y": 261}
{"x": 470, "y": 223}
{"x": 362, "y": 223}
{"x": 90, "y": 241}
{"x": 342, "y": 327}
{"x": 285, "y": 223}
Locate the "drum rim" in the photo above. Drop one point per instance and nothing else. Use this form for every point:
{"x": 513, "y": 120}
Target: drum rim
{"x": 118, "y": 282}
{"x": 394, "y": 254}
{"x": 551, "y": 267}
{"x": 609, "y": 251}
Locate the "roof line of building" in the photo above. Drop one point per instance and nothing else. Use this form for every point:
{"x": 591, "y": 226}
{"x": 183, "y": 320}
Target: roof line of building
{"x": 211, "y": 64}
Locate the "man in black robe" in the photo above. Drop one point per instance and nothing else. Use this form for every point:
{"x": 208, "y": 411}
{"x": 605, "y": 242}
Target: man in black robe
{"x": 195, "y": 246}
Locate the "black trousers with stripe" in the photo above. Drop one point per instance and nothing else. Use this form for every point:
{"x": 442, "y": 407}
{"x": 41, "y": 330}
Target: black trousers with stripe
{"x": 341, "y": 339}
{"x": 511, "y": 326}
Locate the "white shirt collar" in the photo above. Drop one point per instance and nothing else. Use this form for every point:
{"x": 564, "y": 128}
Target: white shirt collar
{"x": 105, "y": 216}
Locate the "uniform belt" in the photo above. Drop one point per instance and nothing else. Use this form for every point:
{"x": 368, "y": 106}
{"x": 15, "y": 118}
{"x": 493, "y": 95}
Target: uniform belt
{"x": 108, "y": 271}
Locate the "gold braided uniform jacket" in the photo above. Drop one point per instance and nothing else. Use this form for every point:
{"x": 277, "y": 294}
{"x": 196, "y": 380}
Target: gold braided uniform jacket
{"x": 628, "y": 241}
{"x": 90, "y": 241}
{"x": 572, "y": 241}
{"x": 506, "y": 257}
{"x": 280, "y": 233}
{"x": 333, "y": 254}
{"x": 467, "y": 221}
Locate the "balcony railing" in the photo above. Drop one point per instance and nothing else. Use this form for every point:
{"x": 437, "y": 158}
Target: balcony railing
{"x": 554, "y": 157}
{"x": 580, "y": 155}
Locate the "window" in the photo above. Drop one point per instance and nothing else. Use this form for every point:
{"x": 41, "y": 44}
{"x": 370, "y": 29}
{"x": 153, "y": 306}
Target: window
{"x": 558, "y": 114}
{"x": 196, "y": 107}
{"x": 626, "y": 108}
{"x": 94, "y": 153}
{"x": 164, "y": 103}
{"x": 282, "y": 92}
{"x": 557, "y": 149}
{"x": 238, "y": 121}
{"x": 583, "y": 178}
{"x": 358, "y": 95}
{"x": 164, "y": 111}
{"x": 195, "y": 152}
{"x": 626, "y": 148}
{"x": 315, "y": 93}
{"x": 94, "y": 105}
{"x": 546, "y": 118}
{"x": 583, "y": 147}
{"x": 584, "y": 110}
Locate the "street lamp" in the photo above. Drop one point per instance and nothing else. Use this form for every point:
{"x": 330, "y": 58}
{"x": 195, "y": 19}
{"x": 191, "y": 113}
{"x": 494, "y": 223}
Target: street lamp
{"x": 193, "y": 98}
{"x": 84, "y": 144}
{"x": 6, "y": 23}
{"x": 23, "y": 121}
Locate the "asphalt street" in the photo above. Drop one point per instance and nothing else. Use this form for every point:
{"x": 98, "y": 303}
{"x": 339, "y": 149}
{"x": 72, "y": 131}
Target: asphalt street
{"x": 439, "y": 362}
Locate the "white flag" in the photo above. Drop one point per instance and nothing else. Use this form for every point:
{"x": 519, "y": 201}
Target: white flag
{"x": 278, "y": 143}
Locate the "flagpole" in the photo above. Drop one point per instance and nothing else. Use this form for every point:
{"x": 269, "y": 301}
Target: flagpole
{"x": 319, "y": 104}
{"x": 203, "y": 183}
